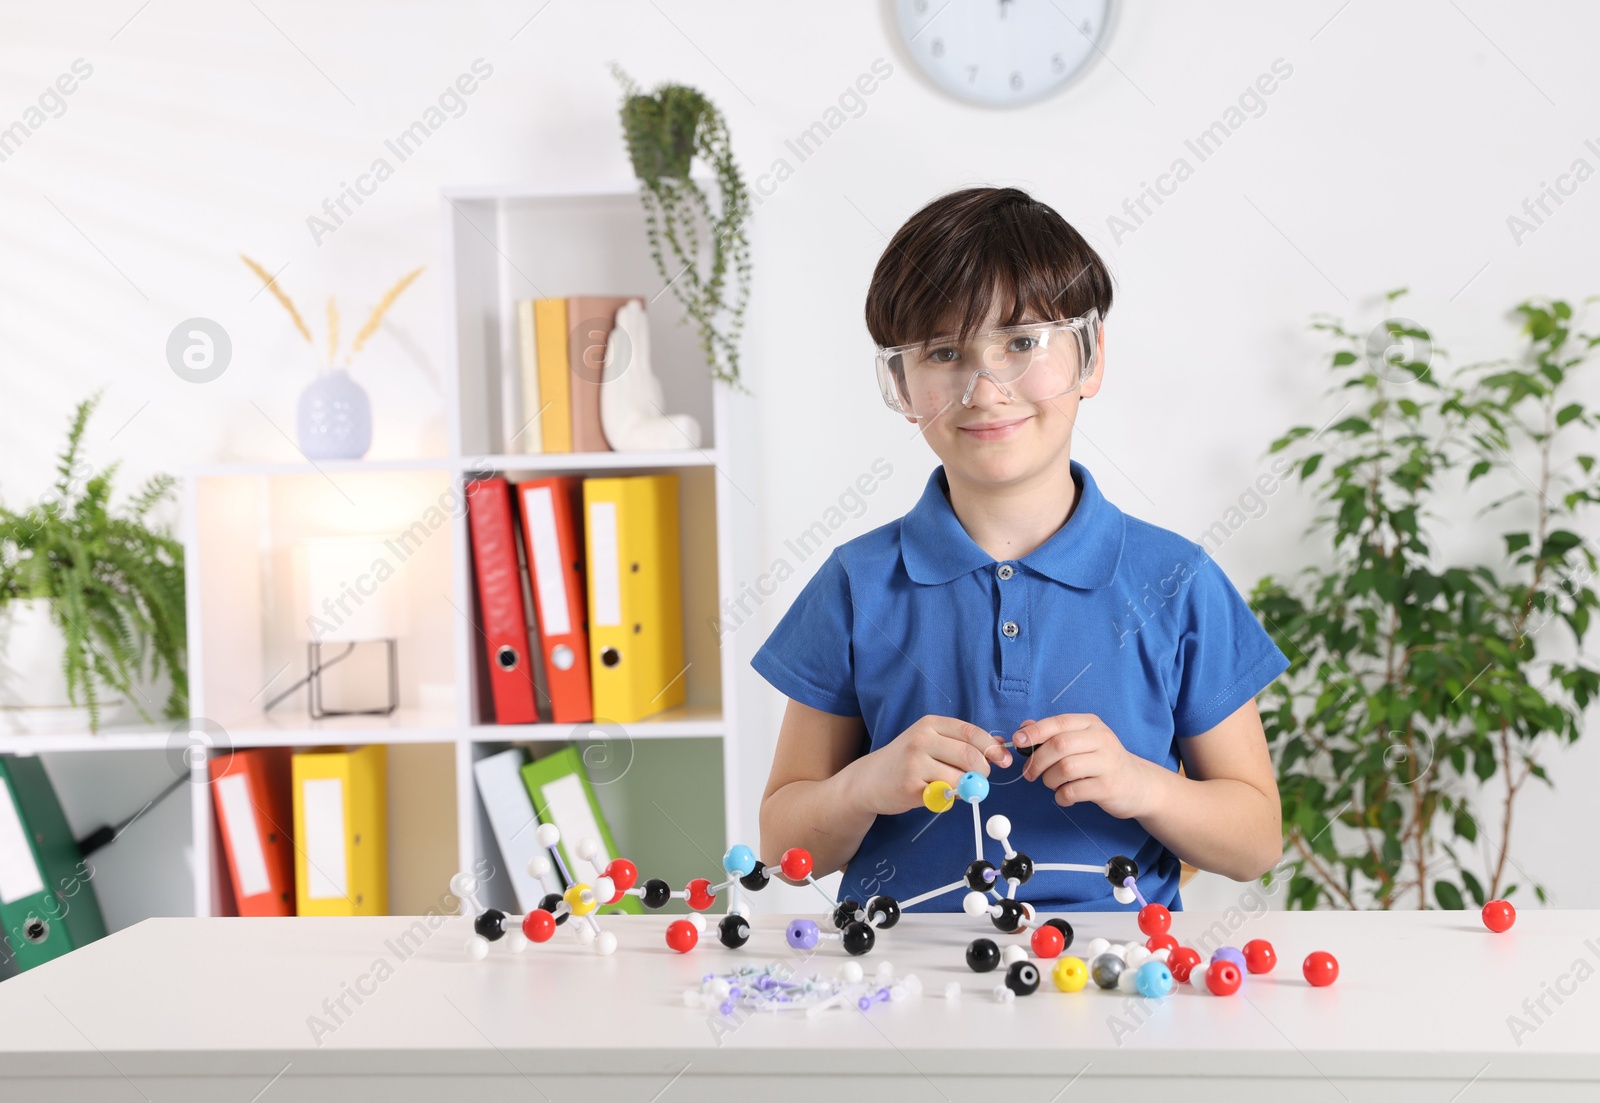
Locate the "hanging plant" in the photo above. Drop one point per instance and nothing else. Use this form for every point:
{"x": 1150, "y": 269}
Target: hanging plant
{"x": 665, "y": 130}
{"x": 1416, "y": 681}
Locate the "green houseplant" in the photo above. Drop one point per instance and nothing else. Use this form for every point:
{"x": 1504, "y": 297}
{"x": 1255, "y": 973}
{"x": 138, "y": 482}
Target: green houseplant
{"x": 113, "y": 580}
{"x": 1415, "y": 682}
{"x": 665, "y": 130}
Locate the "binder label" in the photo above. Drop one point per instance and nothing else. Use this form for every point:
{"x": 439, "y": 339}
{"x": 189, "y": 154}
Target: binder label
{"x": 323, "y": 799}
{"x": 607, "y": 611}
{"x": 545, "y": 555}
{"x": 19, "y": 873}
{"x": 238, "y": 813}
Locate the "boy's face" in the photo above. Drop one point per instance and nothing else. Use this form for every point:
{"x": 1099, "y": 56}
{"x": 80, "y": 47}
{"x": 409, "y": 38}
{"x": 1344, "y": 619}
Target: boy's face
{"x": 1000, "y": 441}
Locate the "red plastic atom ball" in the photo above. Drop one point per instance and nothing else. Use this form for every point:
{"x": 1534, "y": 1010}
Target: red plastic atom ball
{"x": 698, "y": 894}
{"x": 1321, "y": 969}
{"x": 1161, "y": 942}
{"x": 1223, "y": 978}
{"x": 796, "y": 863}
{"x": 1048, "y": 942}
{"x": 1181, "y": 962}
{"x": 681, "y": 936}
{"x": 539, "y": 925}
{"x": 1259, "y": 956}
{"x": 1154, "y": 919}
{"x": 1499, "y": 915}
{"x": 624, "y": 874}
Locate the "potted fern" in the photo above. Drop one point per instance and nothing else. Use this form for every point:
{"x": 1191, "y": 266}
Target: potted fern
{"x": 91, "y": 599}
{"x": 665, "y": 130}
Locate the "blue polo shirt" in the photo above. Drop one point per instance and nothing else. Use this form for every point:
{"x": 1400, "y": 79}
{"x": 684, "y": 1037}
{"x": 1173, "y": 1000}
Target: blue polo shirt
{"x": 1111, "y": 615}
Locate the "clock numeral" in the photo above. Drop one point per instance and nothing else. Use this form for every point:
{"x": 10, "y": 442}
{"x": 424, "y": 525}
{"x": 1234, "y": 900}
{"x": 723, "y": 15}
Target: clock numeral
{"x": 972, "y": 73}
{"x": 1058, "y": 64}
{"x": 936, "y": 48}
{"x": 1016, "y": 80}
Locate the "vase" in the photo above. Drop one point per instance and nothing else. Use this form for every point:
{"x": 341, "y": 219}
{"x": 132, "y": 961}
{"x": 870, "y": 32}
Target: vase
{"x": 335, "y": 418}
{"x": 33, "y": 687}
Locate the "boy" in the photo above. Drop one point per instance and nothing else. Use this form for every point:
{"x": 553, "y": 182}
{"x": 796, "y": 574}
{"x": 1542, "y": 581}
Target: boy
{"x": 1014, "y": 603}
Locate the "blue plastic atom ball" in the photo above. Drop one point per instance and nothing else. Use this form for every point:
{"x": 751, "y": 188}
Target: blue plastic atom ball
{"x": 802, "y": 934}
{"x": 739, "y": 861}
{"x": 972, "y": 788}
{"x": 1153, "y": 979}
{"x": 1230, "y": 953}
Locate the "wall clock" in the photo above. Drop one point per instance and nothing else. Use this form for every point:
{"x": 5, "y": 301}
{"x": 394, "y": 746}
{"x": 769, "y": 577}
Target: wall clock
{"x": 1002, "y": 53}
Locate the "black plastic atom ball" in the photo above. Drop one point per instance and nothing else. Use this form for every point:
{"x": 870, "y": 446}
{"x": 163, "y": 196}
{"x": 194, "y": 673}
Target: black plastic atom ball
{"x": 883, "y": 912}
{"x": 1018, "y": 868}
{"x": 982, "y": 955}
{"x": 976, "y": 879}
{"x": 858, "y": 939}
{"x": 552, "y": 904}
{"x": 656, "y": 893}
{"x": 846, "y": 913}
{"x": 1010, "y": 917}
{"x": 1120, "y": 868}
{"x": 491, "y": 924}
{"x": 1023, "y": 978}
{"x": 733, "y": 931}
{"x": 756, "y": 879}
{"x": 1066, "y": 931}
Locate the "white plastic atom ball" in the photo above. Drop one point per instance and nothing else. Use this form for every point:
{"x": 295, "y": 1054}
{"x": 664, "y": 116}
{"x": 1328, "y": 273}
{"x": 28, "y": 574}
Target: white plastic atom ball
{"x": 1136, "y": 956}
{"x": 974, "y": 904}
{"x": 885, "y": 972}
{"x": 539, "y": 865}
{"x": 850, "y": 972}
{"x": 998, "y": 827}
{"x": 1197, "y": 977}
{"x": 463, "y": 885}
{"x": 744, "y": 909}
{"x": 547, "y": 835}
{"x": 587, "y": 849}
{"x": 1123, "y": 894}
{"x": 585, "y": 933}
{"x": 1002, "y": 994}
{"x": 606, "y": 944}
{"x": 1128, "y": 981}
{"x": 1096, "y": 947}
{"x": 952, "y": 991}
{"x": 719, "y": 989}
{"x": 604, "y": 889}
{"x": 477, "y": 948}
{"x": 910, "y": 988}
{"x": 699, "y": 922}
{"x": 1013, "y": 954}
{"x": 691, "y": 997}
{"x": 516, "y": 941}
{"x": 1162, "y": 955}
{"x": 1119, "y": 950}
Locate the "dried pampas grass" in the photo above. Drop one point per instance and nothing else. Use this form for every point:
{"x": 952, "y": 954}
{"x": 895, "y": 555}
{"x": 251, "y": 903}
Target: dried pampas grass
{"x": 366, "y": 331}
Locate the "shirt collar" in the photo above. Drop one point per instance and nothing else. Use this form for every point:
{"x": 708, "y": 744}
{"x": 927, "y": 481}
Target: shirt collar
{"x": 1083, "y": 552}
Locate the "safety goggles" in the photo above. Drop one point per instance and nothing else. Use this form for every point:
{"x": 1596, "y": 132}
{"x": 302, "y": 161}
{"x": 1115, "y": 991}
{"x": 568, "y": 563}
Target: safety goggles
{"x": 1033, "y": 363}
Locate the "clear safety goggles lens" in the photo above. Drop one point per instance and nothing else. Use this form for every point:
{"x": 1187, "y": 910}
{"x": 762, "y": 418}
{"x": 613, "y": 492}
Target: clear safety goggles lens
{"x": 1030, "y": 363}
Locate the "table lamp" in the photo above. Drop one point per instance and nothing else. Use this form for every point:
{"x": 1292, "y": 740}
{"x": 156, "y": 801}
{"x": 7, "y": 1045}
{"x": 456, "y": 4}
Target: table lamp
{"x": 351, "y": 598}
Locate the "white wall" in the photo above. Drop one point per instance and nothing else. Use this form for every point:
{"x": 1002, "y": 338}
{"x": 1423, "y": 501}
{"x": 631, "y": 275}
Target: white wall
{"x": 1392, "y": 156}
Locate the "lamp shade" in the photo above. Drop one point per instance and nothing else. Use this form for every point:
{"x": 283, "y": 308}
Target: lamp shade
{"x": 352, "y": 590}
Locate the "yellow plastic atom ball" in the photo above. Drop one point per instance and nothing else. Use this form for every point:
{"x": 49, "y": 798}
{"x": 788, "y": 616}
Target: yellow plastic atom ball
{"x": 938, "y": 796}
{"x": 581, "y": 899}
{"x": 1070, "y": 974}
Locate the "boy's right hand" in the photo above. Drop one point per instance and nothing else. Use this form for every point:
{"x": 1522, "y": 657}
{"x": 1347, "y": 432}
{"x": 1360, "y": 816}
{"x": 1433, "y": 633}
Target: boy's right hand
{"x": 890, "y": 780}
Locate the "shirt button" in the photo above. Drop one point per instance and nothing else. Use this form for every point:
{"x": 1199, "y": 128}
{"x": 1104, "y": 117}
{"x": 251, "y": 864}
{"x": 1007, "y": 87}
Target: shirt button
{"x": 1009, "y": 628}
{"x": 1005, "y": 571}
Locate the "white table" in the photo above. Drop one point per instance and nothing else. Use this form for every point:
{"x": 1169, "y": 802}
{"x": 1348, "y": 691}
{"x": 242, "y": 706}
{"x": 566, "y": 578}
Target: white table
{"x": 221, "y": 1009}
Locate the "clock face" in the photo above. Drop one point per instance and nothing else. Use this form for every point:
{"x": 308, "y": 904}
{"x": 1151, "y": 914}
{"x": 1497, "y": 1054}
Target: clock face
{"x": 1002, "y": 53}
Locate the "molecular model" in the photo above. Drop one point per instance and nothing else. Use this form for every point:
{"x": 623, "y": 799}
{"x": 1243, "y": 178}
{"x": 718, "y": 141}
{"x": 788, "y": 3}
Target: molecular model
{"x": 855, "y": 925}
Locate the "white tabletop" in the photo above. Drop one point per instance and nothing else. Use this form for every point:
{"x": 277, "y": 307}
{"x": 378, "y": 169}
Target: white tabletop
{"x": 212, "y": 1008}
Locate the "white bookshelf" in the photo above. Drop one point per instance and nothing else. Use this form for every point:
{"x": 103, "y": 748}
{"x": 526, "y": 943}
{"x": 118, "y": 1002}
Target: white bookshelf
{"x": 673, "y": 808}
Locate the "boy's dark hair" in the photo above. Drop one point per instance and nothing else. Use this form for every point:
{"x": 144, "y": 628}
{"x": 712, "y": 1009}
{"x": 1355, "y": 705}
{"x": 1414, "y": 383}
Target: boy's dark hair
{"x": 944, "y": 268}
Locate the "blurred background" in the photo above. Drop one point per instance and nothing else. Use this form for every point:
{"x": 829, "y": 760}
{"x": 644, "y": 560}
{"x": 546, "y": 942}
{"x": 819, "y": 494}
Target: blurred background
{"x": 1441, "y": 147}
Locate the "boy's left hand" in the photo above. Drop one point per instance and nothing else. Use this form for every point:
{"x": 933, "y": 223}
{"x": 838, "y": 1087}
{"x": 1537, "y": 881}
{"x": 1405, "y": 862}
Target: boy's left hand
{"x": 1083, "y": 760}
